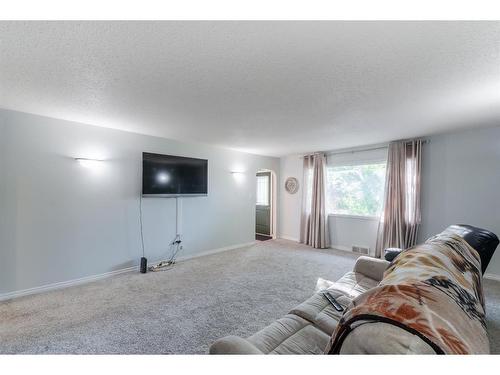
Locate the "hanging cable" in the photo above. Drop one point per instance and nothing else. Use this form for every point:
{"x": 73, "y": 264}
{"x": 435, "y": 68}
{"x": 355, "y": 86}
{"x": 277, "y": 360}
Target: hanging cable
{"x": 140, "y": 220}
{"x": 175, "y": 245}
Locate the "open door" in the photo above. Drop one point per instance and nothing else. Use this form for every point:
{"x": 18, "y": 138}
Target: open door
{"x": 263, "y": 207}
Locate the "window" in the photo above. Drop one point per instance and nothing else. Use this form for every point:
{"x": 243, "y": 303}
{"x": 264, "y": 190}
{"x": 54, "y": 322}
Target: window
{"x": 355, "y": 189}
{"x": 263, "y": 190}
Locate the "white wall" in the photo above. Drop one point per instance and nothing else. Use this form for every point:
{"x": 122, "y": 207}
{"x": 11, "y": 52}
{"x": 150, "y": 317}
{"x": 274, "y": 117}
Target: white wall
{"x": 290, "y": 204}
{"x": 461, "y": 183}
{"x": 60, "y": 221}
{"x": 348, "y": 231}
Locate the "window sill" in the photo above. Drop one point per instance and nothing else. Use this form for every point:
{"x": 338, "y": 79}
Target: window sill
{"x": 359, "y": 217}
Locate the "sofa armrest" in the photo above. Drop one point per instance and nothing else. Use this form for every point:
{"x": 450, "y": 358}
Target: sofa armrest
{"x": 371, "y": 267}
{"x": 233, "y": 345}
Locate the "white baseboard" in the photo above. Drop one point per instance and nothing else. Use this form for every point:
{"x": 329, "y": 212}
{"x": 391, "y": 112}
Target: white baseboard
{"x": 88, "y": 279}
{"x": 215, "y": 251}
{"x": 63, "y": 284}
{"x": 289, "y": 238}
{"x": 492, "y": 276}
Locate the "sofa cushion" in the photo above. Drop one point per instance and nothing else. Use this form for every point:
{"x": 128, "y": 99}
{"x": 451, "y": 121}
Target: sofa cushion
{"x": 290, "y": 335}
{"x": 233, "y": 345}
{"x": 353, "y": 284}
{"x": 321, "y": 313}
{"x": 367, "y": 339}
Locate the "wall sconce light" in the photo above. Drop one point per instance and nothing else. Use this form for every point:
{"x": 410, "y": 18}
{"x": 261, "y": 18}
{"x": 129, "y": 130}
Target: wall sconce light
{"x": 89, "y": 163}
{"x": 238, "y": 176}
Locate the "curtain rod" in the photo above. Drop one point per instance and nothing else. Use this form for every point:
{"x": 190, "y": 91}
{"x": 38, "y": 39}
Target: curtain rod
{"x": 355, "y": 150}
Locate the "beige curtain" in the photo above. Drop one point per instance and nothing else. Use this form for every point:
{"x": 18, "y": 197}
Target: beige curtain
{"x": 313, "y": 224}
{"x": 401, "y": 215}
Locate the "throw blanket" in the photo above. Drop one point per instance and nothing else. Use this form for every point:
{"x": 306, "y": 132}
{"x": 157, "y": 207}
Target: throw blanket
{"x": 432, "y": 290}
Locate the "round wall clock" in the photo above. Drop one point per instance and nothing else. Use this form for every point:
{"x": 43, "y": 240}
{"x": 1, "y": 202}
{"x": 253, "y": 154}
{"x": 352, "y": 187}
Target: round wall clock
{"x": 291, "y": 185}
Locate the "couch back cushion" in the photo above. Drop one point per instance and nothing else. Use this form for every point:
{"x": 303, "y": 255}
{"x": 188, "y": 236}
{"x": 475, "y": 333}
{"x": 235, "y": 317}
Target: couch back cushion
{"x": 482, "y": 240}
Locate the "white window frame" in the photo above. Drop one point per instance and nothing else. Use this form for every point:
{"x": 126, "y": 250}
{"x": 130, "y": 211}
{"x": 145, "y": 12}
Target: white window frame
{"x": 352, "y": 216}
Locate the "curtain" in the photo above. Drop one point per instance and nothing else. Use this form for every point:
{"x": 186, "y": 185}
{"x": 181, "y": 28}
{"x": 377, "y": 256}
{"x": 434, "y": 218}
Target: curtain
{"x": 400, "y": 219}
{"x": 313, "y": 223}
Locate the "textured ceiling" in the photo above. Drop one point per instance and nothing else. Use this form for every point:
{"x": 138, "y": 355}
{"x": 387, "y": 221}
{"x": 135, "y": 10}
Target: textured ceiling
{"x": 271, "y": 88}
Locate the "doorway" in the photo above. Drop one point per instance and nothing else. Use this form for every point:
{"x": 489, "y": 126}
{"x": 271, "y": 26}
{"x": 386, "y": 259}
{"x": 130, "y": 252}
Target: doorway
{"x": 264, "y": 206}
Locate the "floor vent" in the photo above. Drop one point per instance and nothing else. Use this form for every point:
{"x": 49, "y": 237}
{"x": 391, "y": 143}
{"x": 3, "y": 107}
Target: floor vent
{"x": 360, "y": 249}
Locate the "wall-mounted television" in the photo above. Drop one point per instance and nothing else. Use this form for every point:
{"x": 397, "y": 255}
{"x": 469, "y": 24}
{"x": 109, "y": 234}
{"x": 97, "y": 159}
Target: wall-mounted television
{"x": 173, "y": 176}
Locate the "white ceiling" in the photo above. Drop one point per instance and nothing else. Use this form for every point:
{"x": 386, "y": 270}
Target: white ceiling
{"x": 270, "y": 88}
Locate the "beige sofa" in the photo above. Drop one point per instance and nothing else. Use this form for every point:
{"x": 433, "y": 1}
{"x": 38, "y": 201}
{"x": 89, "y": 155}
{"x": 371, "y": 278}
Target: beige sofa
{"x": 307, "y": 328}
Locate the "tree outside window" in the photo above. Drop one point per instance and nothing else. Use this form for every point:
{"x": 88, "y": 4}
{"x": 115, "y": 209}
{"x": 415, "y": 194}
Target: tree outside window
{"x": 355, "y": 189}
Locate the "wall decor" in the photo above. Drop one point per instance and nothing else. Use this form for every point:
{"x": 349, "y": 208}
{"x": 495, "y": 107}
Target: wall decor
{"x": 291, "y": 185}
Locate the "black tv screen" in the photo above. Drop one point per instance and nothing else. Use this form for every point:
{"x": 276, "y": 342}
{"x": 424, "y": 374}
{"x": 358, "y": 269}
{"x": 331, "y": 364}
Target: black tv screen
{"x": 171, "y": 176}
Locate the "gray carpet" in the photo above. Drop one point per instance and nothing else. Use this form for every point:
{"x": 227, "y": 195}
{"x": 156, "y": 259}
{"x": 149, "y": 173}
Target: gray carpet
{"x": 184, "y": 309}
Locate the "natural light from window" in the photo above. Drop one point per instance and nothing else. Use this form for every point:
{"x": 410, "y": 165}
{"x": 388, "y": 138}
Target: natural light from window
{"x": 356, "y": 190}
{"x": 263, "y": 190}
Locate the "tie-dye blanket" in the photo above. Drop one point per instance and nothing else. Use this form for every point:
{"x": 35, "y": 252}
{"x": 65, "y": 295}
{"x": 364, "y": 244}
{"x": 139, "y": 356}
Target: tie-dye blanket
{"x": 432, "y": 290}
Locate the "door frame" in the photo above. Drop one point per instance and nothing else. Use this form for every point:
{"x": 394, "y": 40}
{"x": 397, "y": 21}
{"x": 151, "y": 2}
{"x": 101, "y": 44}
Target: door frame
{"x": 272, "y": 200}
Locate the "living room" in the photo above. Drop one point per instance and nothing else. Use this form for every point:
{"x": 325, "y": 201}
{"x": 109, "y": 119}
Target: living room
{"x": 249, "y": 187}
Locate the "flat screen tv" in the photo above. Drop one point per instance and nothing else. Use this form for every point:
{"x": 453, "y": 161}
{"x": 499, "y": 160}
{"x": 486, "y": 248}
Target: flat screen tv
{"x": 173, "y": 176}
